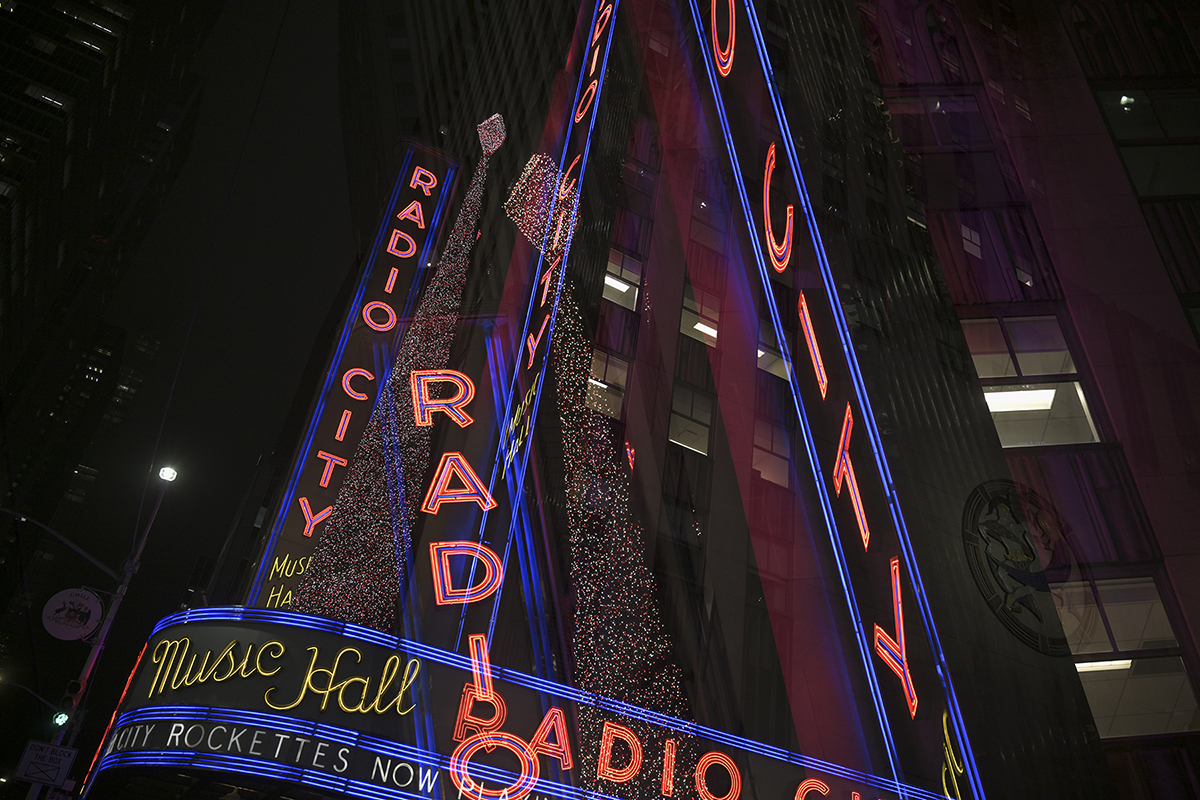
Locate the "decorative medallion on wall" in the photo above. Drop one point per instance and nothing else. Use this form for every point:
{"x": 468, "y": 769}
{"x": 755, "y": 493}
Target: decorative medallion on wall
{"x": 1016, "y": 544}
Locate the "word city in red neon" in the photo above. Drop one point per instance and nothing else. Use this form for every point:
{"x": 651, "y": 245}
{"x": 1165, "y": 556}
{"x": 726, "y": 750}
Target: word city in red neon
{"x": 892, "y": 650}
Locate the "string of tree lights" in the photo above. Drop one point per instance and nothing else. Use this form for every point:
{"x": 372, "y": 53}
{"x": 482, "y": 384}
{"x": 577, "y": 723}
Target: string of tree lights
{"x": 533, "y": 208}
{"x": 356, "y": 568}
{"x": 621, "y": 647}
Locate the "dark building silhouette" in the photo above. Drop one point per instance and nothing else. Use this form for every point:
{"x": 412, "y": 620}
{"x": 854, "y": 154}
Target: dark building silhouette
{"x": 99, "y": 108}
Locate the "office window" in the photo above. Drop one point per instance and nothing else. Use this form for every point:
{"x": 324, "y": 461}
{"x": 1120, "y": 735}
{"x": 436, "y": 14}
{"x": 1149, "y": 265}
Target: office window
{"x": 1027, "y": 373}
{"x": 623, "y": 279}
{"x": 606, "y": 384}
{"x": 701, "y": 315}
{"x": 691, "y": 419}
{"x": 1127, "y": 656}
{"x": 771, "y": 453}
{"x": 1134, "y": 114}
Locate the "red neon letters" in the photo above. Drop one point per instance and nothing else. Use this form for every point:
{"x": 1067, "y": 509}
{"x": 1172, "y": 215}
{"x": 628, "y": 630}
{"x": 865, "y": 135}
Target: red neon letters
{"x": 811, "y": 785}
{"x": 311, "y": 519}
{"x": 444, "y": 592}
{"x": 387, "y": 310}
{"x": 813, "y": 350}
{"x": 844, "y": 469}
{"x": 724, "y": 56}
{"x": 410, "y": 246}
{"x": 330, "y": 462}
{"x": 668, "y": 774}
{"x": 780, "y": 253}
{"x": 423, "y": 179}
{"x": 532, "y": 344}
{"x": 414, "y": 212}
{"x": 554, "y": 722}
{"x": 352, "y": 373}
{"x": 735, "y": 777}
{"x": 481, "y": 666}
{"x": 468, "y": 787}
{"x": 341, "y": 429}
{"x": 894, "y": 654}
{"x": 421, "y": 380}
{"x": 604, "y": 768}
{"x": 454, "y": 465}
{"x": 466, "y": 713}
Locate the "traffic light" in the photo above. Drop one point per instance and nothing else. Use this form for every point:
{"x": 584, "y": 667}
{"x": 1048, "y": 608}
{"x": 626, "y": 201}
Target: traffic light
{"x": 67, "y": 705}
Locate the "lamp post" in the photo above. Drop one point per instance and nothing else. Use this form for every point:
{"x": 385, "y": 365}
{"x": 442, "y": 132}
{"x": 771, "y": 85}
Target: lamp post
{"x": 167, "y": 475}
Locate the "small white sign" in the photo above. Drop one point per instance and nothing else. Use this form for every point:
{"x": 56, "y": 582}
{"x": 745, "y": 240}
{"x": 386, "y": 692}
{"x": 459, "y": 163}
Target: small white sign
{"x": 45, "y": 763}
{"x": 72, "y": 614}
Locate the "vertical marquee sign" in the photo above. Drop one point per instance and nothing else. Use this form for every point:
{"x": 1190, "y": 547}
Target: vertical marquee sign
{"x": 359, "y": 365}
{"x": 910, "y": 684}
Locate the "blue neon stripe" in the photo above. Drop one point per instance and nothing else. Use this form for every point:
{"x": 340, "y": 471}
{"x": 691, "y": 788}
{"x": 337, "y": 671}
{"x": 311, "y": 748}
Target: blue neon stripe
{"x": 516, "y": 476}
{"x": 889, "y": 489}
{"x": 517, "y": 678}
{"x": 864, "y": 645}
{"x": 331, "y": 375}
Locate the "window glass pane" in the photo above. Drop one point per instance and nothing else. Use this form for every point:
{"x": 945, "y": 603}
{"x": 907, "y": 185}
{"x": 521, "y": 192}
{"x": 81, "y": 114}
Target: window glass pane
{"x": 988, "y": 348}
{"x": 622, "y": 279}
{"x": 606, "y": 384}
{"x": 1179, "y": 112}
{"x": 771, "y": 467}
{"x": 1080, "y": 618}
{"x": 691, "y": 417}
{"x": 908, "y": 115}
{"x": 1136, "y": 614}
{"x": 957, "y": 120}
{"x": 688, "y": 433}
{"x": 1164, "y": 170}
{"x": 1139, "y": 697}
{"x": 1130, "y": 115}
{"x": 1039, "y": 414}
{"x": 701, "y": 312}
{"x": 1040, "y": 346}
{"x": 770, "y": 361}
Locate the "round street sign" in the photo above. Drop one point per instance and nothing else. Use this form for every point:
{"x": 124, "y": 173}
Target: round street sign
{"x": 72, "y": 614}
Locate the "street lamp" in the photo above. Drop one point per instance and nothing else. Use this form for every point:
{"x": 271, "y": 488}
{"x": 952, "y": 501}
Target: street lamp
{"x": 128, "y": 569}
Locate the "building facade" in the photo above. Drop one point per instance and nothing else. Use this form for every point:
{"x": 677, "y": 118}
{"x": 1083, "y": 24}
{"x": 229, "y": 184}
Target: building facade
{"x": 736, "y": 400}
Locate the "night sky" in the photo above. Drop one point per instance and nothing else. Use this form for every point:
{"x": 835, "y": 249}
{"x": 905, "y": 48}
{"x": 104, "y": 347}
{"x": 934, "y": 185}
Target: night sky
{"x": 233, "y": 281}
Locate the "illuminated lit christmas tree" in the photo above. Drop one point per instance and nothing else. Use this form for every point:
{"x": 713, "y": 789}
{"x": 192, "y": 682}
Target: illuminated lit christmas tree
{"x": 621, "y": 647}
{"x": 356, "y": 568}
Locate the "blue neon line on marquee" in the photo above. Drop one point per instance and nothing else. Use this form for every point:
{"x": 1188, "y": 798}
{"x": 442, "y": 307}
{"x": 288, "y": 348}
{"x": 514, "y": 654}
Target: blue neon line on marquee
{"x": 375, "y": 745}
{"x": 860, "y": 389}
{"x": 517, "y": 678}
{"x": 513, "y": 478}
{"x": 861, "y": 639}
{"x": 391, "y": 749}
{"x": 330, "y": 376}
{"x": 516, "y": 477}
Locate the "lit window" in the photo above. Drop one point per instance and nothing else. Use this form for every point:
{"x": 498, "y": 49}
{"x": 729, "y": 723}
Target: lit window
{"x": 691, "y": 419}
{"x": 1026, "y": 368}
{"x": 768, "y": 355}
{"x": 1127, "y": 656}
{"x": 701, "y": 315}
{"x": 622, "y": 279}
{"x": 771, "y": 452}
{"x": 606, "y": 384}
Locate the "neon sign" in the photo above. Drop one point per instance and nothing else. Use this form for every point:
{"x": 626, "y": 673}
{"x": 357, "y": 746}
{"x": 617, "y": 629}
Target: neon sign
{"x": 365, "y": 349}
{"x": 890, "y": 651}
{"x": 315, "y": 701}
